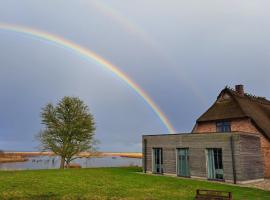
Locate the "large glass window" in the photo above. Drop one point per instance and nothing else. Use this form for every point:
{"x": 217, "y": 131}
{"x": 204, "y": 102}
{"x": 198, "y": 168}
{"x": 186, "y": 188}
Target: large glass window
{"x": 182, "y": 162}
{"x": 157, "y": 161}
{"x": 214, "y": 163}
{"x": 223, "y": 126}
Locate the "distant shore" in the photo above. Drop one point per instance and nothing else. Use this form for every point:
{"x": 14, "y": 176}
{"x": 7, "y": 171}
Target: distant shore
{"x": 7, "y": 158}
{"x": 22, "y": 156}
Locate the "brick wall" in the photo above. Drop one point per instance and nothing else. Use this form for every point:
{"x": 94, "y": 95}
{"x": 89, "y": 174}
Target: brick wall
{"x": 206, "y": 127}
{"x": 241, "y": 125}
{"x": 237, "y": 125}
{"x": 266, "y": 154}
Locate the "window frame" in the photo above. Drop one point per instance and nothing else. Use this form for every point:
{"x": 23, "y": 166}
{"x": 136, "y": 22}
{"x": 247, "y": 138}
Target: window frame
{"x": 177, "y": 150}
{"x": 217, "y": 153}
{"x": 223, "y": 127}
{"x": 161, "y": 157}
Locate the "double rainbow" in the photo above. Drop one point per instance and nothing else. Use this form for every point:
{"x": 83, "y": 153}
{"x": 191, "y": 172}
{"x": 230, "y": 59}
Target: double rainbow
{"x": 92, "y": 56}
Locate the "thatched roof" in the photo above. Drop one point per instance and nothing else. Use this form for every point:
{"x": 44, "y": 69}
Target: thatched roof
{"x": 231, "y": 105}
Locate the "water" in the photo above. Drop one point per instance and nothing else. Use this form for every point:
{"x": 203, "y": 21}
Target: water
{"x": 53, "y": 162}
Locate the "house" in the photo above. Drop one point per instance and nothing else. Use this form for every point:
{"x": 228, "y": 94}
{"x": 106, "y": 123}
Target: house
{"x": 230, "y": 142}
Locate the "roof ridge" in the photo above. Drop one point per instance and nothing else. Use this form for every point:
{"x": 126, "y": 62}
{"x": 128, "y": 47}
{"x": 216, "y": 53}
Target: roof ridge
{"x": 258, "y": 99}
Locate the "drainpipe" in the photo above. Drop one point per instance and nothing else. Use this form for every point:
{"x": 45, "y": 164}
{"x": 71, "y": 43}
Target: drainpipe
{"x": 233, "y": 160}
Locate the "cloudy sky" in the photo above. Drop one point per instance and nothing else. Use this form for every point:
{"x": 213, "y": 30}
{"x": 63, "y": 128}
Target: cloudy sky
{"x": 181, "y": 52}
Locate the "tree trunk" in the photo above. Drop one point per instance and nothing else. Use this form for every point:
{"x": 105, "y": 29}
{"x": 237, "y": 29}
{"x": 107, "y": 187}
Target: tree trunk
{"x": 62, "y": 165}
{"x": 67, "y": 163}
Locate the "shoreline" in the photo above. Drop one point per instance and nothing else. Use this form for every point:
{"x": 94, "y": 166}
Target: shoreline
{"x": 12, "y": 158}
{"x": 8, "y": 157}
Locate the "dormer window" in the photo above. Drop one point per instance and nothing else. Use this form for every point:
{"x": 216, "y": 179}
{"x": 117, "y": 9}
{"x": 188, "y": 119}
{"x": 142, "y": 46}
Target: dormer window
{"x": 223, "y": 126}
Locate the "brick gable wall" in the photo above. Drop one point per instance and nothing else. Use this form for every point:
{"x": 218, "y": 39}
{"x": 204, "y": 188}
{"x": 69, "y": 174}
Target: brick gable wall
{"x": 241, "y": 125}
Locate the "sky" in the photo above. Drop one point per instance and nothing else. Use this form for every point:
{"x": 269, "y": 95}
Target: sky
{"x": 182, "y": 53}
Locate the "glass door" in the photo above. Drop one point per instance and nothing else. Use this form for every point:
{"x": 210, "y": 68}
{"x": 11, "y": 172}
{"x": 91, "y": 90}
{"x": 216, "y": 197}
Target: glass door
{"x": 157, "y": 161}
{"x": 183, "y": 162}
{"x": 214, "y": 164}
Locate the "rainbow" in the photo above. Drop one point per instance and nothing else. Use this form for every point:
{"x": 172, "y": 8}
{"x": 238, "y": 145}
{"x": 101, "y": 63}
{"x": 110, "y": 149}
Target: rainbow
{"x": 155, "y": 46}
{"x": 92, "y": 56}
{"x": 129, "y": 26}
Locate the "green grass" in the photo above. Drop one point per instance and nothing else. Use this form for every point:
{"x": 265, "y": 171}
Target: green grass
{"x": 108, "y": 183}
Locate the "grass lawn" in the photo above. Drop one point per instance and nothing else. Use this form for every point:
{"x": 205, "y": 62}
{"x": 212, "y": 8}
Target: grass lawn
{"x": 108, "y": 183}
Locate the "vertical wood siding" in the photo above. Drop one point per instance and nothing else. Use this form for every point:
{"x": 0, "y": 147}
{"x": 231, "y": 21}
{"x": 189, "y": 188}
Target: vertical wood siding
{"x": 247, "y": 152}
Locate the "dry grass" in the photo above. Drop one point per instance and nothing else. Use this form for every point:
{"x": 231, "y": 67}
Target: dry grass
{"x": 29, "y": 154}
{"x": 18, "y": 155}
{"x": 6, "y": 158}
{"x": 127, "y": 155}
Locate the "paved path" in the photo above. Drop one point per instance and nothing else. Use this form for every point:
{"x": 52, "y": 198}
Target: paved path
{"x": 265, "y": 185}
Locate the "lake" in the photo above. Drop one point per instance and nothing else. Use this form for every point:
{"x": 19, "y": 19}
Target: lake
{"x": 53, "y": 162}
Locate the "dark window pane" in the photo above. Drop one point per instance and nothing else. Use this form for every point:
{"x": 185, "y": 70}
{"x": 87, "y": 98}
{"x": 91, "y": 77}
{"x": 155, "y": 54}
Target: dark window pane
{"x": 157, "y": 160}
{"x": 218, "y": 163}
{"x": 223, "y": 126}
